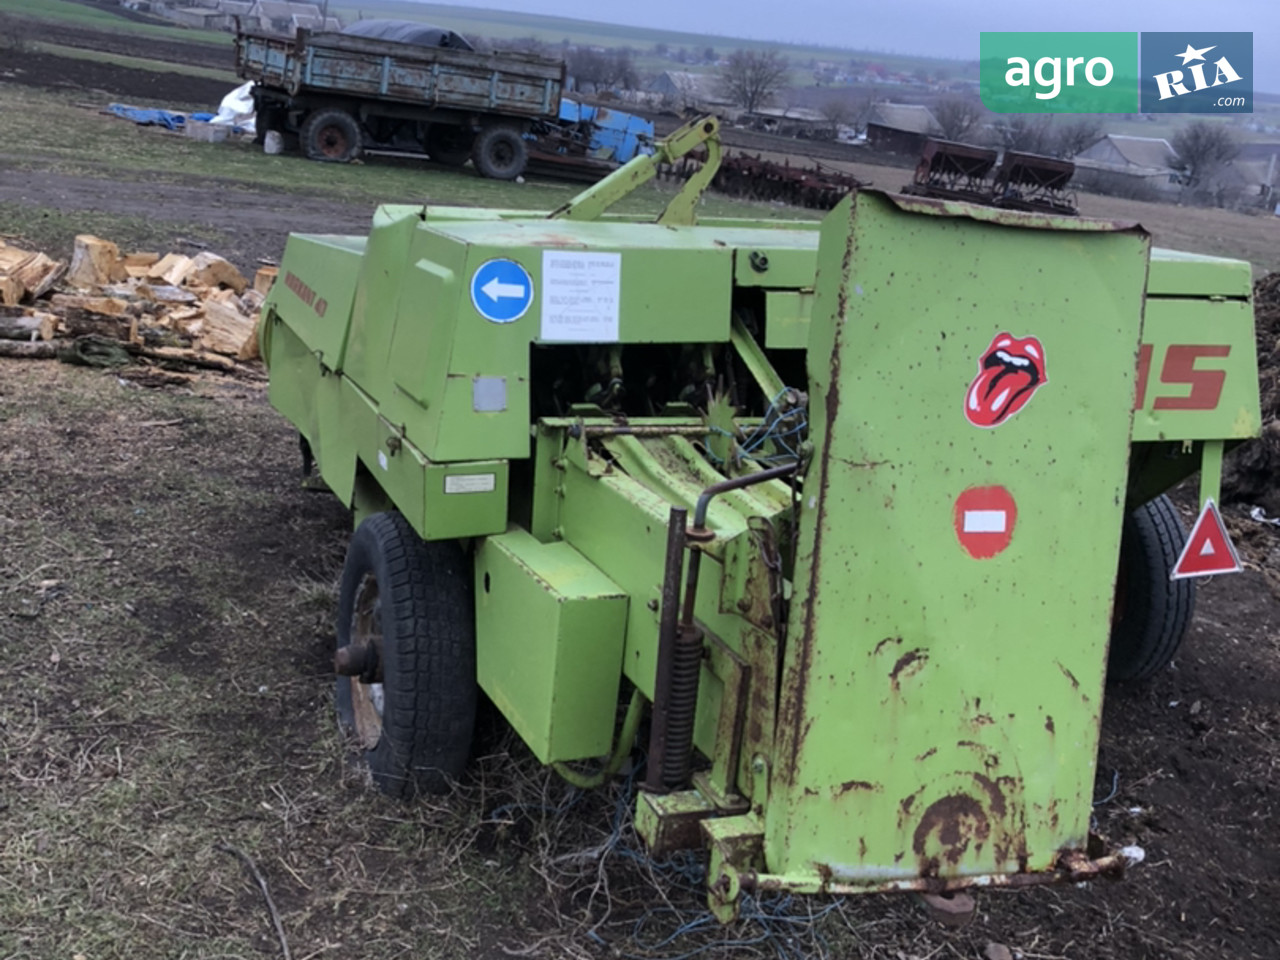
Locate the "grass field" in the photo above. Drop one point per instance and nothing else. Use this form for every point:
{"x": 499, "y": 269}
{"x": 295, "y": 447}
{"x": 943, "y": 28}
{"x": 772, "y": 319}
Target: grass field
{"x": 80, "y": 15}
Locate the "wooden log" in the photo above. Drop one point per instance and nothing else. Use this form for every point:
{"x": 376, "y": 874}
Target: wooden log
{"x": 40, "y": 275}
{"x": 226, "y": 329}
{"x": 164, "y": 293}
{"x": 94, "y": 262}
{"x": 264, "y": 278}
{"x": 172, "y": 269}
{"x": 11, "y": 290}
{"x": 106, "y": 306}
{"x": 37, "y": 327}
{"x": 212, "y": 270}
{"x": 141, "y": 260}
{"x": 29, "y": 350}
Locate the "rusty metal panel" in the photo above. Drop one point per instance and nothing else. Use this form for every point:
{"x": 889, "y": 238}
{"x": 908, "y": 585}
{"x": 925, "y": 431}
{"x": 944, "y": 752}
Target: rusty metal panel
{"x": 943, "y": 679}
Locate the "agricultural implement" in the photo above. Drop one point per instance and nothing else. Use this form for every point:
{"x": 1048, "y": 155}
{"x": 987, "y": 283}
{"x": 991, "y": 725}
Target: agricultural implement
{"x": 847, "y": 521}
{"x": 1021, "y": 181}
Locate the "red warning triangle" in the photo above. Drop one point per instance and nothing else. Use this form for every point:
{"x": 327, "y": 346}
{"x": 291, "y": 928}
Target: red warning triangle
{"x": 1209, "y": 549}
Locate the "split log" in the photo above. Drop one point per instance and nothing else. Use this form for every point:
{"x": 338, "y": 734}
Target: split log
{"x": 172, "y": 269}
{"x": 31, "y": 350}
{"x": 38, "y": 327}
{"x": 164, "y": 293}
{"x": 264, "y": 278}
{"x": 94, "y": 262}
{"x": 227, "y": 330}
{"x": 39, "y": 275}
{"x": 11, "y": 290}
{"x": 212, "y": 270}
{"x": 105, "y": 306}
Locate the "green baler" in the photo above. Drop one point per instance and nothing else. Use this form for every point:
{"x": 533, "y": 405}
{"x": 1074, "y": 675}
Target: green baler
{"x": 855, "y": 516}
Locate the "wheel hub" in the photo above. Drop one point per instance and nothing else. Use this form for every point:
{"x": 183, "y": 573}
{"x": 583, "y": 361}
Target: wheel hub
{"x": 361, "y": 660}
{"x": 333, "y": 142}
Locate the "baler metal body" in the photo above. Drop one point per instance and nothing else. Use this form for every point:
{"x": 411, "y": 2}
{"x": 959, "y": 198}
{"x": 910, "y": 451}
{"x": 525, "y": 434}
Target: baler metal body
{"x": 888, "y": 695}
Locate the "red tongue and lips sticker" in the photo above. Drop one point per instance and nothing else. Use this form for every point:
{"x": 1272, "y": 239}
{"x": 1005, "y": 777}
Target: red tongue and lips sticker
{"x": 1010, "y": 371}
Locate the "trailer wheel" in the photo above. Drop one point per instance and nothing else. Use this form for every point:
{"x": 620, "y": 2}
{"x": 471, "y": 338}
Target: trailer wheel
{"x": 406, "y": 690}
{"x": 500, "y": 153}
{"x": 449, "y": 144}
{"x": 1152, "y": 612}
{"x": 331, "y": 135}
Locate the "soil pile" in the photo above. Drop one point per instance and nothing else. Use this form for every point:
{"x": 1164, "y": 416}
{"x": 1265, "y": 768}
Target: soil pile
{"x": 1252, "y": 472}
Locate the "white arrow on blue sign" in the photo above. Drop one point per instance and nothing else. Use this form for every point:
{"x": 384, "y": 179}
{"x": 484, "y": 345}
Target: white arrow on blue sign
{"x": 501, "y": 290}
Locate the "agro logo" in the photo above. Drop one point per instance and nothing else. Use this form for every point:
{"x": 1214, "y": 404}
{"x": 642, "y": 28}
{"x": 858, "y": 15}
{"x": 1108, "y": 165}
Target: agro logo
{"x": 1009, "y": 372}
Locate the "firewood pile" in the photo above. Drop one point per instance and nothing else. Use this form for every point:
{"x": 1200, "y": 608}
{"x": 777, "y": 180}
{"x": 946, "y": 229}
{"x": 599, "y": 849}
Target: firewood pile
{"x": 105, "y": 308}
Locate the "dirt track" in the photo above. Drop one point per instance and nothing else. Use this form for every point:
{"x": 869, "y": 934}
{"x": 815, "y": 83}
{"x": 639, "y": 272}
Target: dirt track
{"x": 214, "y": 547}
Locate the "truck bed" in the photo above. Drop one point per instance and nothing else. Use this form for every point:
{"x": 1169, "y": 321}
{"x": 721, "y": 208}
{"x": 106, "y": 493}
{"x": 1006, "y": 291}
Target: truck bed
{"x": 343, "y": 66}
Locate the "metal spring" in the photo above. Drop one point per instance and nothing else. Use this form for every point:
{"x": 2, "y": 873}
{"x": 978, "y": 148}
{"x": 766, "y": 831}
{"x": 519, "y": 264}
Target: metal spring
{"x": 686, "y": 669}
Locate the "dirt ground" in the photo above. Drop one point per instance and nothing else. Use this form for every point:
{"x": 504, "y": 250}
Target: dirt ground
{"x": 166, "y": 605}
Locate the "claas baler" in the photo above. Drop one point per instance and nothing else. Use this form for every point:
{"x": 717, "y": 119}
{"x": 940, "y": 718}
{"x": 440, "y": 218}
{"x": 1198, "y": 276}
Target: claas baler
{"x": 855, "y": 518}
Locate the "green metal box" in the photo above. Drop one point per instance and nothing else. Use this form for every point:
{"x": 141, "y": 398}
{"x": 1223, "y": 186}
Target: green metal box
{"x": 555, "y": 678}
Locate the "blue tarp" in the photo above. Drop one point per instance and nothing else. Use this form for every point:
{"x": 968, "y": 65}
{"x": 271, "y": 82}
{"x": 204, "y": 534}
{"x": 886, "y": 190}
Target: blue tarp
{"x": 149, "y": 118}
{"x": 617, "y": 135}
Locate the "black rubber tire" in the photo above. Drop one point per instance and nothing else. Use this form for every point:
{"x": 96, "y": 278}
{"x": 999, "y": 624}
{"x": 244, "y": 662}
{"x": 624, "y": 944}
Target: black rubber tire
{"x": 1152, "y": 611}
{"x": 331, "y": 136}
{"x": 427, "y": 624}
{"x": 449, "y": 144}
{"x": 500, "y": 153}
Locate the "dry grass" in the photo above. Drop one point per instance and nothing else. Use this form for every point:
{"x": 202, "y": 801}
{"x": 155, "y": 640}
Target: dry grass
{"x": 165, "y": 629}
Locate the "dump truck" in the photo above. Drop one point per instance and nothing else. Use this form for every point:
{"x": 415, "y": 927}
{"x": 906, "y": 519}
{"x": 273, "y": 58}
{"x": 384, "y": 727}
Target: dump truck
{"x": 342, "y": 93}
{"x": 841, "y": 526}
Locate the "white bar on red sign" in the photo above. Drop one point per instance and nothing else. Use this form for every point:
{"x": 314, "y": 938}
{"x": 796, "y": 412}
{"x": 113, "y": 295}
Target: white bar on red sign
{"x": 985, "y": 521}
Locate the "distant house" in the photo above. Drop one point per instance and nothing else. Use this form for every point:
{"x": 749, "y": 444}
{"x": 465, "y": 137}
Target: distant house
{"x": 1141, "y": 164}
{"x": 787, "y": 122}
{"x": 1248, "y": 183}
{"x": 692, "y": 91}
{"x": 900, "y": 128}
{"x": 279, "y": 16}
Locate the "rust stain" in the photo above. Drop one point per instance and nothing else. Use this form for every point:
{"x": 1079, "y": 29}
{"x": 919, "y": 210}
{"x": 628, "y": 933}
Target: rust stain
{"x": 880, "y": 645}
{"x": 916, "y": 656}
{"x": 947, "y": 829}
{"x": 1075, "y": 684}
{"x": 1048, "y": 725}
{"x": 794, "y": 707}
{"x": 862, "y": 848}
{"x": 926, "y": 755}
{"x": 854, "y": 785}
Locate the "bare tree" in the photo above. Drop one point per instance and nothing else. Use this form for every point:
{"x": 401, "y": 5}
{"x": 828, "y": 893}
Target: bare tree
{"x": 1202, "y": 148}
{"x": 620, "y": 69}
{"x": 750, "y": 78}
{"x": 1075, "y": 135}
{"x": 846, "y": 111}
{"x": 957, "y": 116}
{"x": 1027, "y": 133}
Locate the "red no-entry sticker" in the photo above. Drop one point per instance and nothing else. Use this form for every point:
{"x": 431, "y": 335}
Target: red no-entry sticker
{"x": 984, "y": 520}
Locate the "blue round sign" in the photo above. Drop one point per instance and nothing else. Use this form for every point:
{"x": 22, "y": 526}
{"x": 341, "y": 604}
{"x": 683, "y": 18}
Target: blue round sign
{"x": 501, "y": 290}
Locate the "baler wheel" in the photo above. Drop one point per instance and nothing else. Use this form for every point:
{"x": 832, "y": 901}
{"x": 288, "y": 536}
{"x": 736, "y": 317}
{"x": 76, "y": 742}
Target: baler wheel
{"x": 1152, "y": 612}
{"x": 332, "y": 136}
{"x": 406, "y": 619}
{"x": 500, "y": 153}
{"x": 449, "y": 144}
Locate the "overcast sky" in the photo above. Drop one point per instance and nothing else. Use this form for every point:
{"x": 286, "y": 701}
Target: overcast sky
{"x": 936, "y": 28}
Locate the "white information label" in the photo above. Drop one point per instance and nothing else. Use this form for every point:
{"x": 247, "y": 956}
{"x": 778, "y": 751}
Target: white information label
{"x": 580, "y": 296}
{"x": 470, "y": 483}
{"x": 382, "y": 460}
